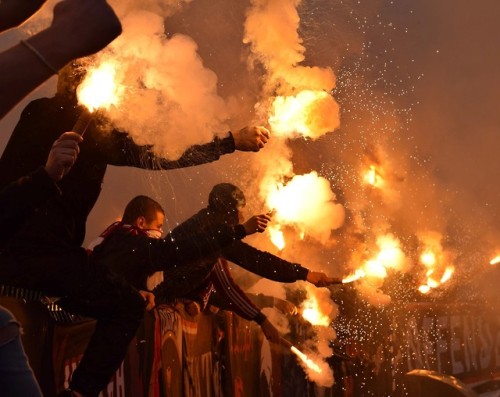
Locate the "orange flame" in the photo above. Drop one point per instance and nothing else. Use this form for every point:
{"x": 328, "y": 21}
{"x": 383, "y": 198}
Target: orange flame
{"x": 373, "y": 177}
{"x": 310, "y": 363}
{"x": 310, "y": 113}
{"x": 359, "y": 273}
{"x": 311, "y": 312}
{"x": 277, "y": 237}
{"x": 99, "y": 88}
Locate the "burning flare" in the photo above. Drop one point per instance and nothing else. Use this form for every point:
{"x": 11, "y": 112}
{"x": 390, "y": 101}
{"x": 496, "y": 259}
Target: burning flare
{"x": 373, "y": 177}
{"x": 99, "y": 88}
{"x": 312, "y": 313}
{"x": 434, "y": 259}
{"x": 306, "y": 360}
{"x": 310, "y": 114}
{"x": 277, "y": 237}
{"x": 495, "y": 260}
{"x": 306, "y": 203}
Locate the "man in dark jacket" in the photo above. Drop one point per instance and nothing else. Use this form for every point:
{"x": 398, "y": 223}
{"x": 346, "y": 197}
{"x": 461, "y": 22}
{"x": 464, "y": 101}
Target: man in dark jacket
{"x": 45, "y": 251}
{"x": 16, "y": 201}
{"x": 225, "y": 203}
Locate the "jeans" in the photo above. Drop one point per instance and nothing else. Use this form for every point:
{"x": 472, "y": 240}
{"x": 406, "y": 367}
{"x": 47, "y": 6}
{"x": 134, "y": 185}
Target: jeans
{"x": 16, "y": 377}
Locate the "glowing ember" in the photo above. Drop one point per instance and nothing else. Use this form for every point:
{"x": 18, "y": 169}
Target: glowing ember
{"x": 311, "y": 312}
{"x": 99, "y": 89}
{"x": 310, "y": 363}
{"x": 277, "y": 237}
{"x": 309, "y": 113}
{"x": 495, "y": 260}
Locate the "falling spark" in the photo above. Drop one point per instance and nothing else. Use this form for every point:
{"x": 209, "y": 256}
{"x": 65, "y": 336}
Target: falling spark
{"x": 495, "y": 260}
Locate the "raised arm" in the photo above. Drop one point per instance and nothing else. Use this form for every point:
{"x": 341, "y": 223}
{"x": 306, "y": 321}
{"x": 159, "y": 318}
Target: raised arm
{"x": 79, "y": 28}
{"x": 121, "y": 150}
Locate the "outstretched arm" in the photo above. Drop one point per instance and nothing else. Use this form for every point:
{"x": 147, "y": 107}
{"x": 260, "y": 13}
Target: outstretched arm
{"x": 120, "y": 150}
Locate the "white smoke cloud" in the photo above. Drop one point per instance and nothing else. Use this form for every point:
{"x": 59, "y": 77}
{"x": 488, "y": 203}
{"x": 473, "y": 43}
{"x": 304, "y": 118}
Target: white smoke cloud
{"x": 171, "y": 99}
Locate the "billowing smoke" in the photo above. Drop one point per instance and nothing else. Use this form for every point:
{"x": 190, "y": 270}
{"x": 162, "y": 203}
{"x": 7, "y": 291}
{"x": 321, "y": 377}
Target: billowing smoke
{"x": 171, "y": 99}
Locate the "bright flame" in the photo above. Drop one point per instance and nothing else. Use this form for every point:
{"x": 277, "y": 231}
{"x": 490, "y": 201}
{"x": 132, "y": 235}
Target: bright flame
{"x": 359, "y": 273}
{"x": 99, "y": 88}
{"x": 495, "y": 260}
{"x": 310, "y": 363}
{"x": 375, "y": 268}
{"x": 309, "y": 113}
{"x": 306, "y": 203}
{"x": 277, "y": 237}
{"x": 424, "y": 289}
{"x": 447, "y": 274}
{"x": 311, "y": 312}
{"x": 428, "y": 258}
{"x": 435, "y": 260}
{"x": 390, "y": 256}
{"x": 373, "y": 177}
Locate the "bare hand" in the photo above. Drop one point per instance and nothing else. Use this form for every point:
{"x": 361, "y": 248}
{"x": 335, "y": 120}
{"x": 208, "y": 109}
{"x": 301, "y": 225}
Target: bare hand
{"x": 256, "y": 223}
{"x": 63, "y": 155}
{"x": 270, "y": 332}
{"x": 251, "y": 139}
{"x": 149, "y": 298}
{"x": 320, "y": 279}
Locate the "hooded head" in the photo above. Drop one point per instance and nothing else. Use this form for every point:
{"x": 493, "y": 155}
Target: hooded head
{"x": 226, "y": 201}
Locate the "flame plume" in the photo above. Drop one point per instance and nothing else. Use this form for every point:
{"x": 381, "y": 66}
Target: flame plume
{"x": 495, "y": 260}
{"x": 310, "y": 114}
{"x": 99, "y": 89}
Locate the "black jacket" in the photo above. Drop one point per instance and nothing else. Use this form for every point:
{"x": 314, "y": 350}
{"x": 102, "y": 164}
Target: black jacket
{"x": 21, "y": 198}
{"x": 180, "y": 281}
{"x": 41, "y": 123}
{"x": 132, "y": 258}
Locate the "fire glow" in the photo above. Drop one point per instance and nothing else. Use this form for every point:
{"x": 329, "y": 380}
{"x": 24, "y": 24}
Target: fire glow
{"x": 310, "y": 114}
{"x": 99, "y": 88}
